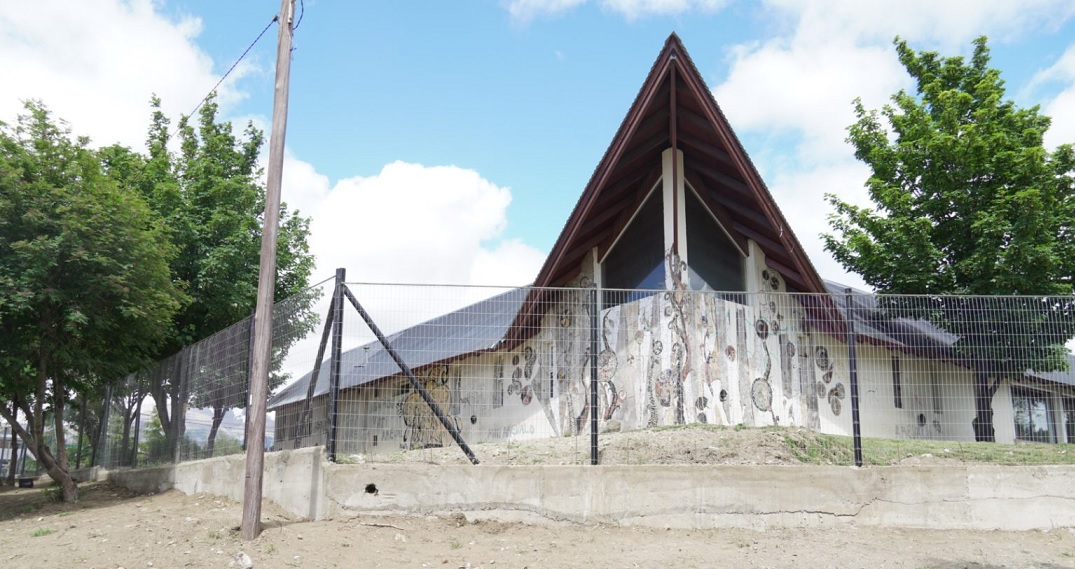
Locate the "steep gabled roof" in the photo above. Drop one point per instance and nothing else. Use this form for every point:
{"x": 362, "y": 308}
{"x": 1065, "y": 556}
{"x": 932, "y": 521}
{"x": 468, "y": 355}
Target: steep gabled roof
{"x": 674, "y": 108}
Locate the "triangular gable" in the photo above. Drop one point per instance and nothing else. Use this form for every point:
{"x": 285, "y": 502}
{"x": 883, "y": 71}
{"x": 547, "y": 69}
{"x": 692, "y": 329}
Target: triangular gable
{"x": 674, "y": 108}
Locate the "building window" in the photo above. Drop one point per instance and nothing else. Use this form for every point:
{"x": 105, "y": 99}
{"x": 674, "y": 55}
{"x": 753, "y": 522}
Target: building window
{"x": 498, "y": 383}
{"x": 1033, "y": 415}
{"x": 935, "y": 387}
{"x": 897, "y": 387}
{"x": 714, "y": 260}
{"x": 1069, "y": 419}
{"x": 636, "y": 261}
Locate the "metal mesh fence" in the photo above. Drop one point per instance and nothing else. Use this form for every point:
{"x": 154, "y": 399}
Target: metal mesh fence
{"x": 581, "y": 375}
{"x": 192, "y": 405}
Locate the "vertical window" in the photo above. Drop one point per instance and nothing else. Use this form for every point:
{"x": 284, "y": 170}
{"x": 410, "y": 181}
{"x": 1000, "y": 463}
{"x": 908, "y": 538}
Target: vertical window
{"x": 636, "y": 261}
{"x": 1033, "y": 415}
{"x": 498, "y": 383}
{"x": 1069, "y": 419}
{"x": 897, "y": 387}
{"x": 935, "y": 386}
{"x": 714, "y": 260}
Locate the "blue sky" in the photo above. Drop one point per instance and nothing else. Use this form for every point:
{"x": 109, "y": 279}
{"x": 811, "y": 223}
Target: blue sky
{"x": 447, "y": 142}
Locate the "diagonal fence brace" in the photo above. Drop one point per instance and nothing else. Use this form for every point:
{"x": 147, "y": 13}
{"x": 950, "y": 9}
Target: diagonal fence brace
{"x": 456, "y": 436}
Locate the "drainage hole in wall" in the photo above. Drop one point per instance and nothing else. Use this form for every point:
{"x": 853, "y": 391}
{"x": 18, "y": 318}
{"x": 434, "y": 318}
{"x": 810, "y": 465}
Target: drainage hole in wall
{"x": 372, "y": 489}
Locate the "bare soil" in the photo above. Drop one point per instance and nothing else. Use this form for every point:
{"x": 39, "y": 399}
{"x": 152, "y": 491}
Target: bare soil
{"x": 113, "y": 528}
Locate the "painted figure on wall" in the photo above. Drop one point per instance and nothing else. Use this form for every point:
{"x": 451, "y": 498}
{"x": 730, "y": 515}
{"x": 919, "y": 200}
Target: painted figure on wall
{"x": 424, "y": 429}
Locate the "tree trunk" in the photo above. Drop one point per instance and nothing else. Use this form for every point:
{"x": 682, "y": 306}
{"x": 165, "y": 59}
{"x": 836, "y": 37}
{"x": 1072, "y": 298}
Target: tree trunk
{"x": 218, "y": 417}
{"x": 35, "y": 440}
{"x": 54, "y": 468}
{"x": 59, "y": 398}
{"x": 14, "y": 443}
{"x": 983, "y": 402}
{"x": 124, "y": 454}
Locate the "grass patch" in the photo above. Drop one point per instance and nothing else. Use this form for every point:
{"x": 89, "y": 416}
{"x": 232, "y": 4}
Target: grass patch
{"x": 687, "y": 426}
{"x": 810, "y": 448}
{"x": 40, "y": 532}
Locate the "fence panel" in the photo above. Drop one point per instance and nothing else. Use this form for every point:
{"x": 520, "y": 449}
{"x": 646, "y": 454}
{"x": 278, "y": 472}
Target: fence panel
{"x": 695, "y": 377}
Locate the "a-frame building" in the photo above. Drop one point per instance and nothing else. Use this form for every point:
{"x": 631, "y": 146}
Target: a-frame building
{"x": 676, "y": 184}
{"x": 674, "y": 207}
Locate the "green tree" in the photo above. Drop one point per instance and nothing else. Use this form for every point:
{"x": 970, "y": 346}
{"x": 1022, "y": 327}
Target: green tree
{"x": 968, "y": 202}
{"x": 212, "y": 198}
{"x": 85, "y": 289}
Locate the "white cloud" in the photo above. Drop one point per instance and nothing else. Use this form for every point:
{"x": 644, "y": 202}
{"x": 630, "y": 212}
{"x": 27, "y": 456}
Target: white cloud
{"x": 1062, "y": 111}
{"x": 96, "y": 64}
{"x": 523, "y": 11}
{"x": 1062, "y": 106}
{"x": 416, "y": 224}
{"x": 303, "y": 188}
{"x": 801, "y": 197}
{"x": 634, "y": 9}
{"x": 799, "y": 85}
{"x": 948, "y": 25}
{"x": 807, "y": 89}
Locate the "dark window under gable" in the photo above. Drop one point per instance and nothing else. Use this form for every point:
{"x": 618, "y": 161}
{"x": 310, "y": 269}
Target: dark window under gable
{"x": 636, "y": 261}
{"x": 714, "y": 259}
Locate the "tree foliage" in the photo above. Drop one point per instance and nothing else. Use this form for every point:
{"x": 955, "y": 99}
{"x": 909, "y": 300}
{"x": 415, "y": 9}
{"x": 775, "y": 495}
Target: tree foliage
{"x": 85, "y": 288}
{"x": 212, "y": 199}
{"x": 968, "y": 202}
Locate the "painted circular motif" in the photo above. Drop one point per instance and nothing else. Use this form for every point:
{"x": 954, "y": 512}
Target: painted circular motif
{"x": 789, "y": 349}
{"x": 820, "y": 390}
{"x": 762, "y": 394}
{"x": 761, "y": 328}
{"x": 701, "y": 403}
{"x": 837, "y": 391}
{"x": 723, "y": 395}
{"x": 827, "y": 378}
{"x": 729, "y": 353}
{"x": 836, "y": 405}
{"x": 607, "y": 365}
{"x": 821, "y": 357}
{"x": 775, "y": 326}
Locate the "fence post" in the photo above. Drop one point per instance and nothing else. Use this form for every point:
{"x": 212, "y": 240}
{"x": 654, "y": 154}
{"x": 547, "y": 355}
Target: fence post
{"x": 334, "y": 366}
{"x": 853, "y": 364}
{"x": 593, "y": 375}
{"x": 249, "y": 368}
{"x": 137, "y": 430}
{"x": 179, "y": 413}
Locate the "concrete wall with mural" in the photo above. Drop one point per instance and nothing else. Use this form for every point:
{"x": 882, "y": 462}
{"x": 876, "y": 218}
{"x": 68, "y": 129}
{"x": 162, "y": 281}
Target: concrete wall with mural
{"x": 673, "y": 357}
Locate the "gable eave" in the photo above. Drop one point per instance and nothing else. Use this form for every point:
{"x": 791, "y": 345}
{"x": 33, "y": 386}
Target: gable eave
{"x": 675, "y": 89}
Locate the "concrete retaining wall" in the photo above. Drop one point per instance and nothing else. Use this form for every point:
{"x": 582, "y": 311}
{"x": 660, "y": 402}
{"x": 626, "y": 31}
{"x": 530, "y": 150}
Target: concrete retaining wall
{"x": 935, "y": 497}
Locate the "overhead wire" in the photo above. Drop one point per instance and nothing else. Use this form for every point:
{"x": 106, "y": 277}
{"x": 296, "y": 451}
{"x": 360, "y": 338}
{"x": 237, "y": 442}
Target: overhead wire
{"x": 275, "y": 19}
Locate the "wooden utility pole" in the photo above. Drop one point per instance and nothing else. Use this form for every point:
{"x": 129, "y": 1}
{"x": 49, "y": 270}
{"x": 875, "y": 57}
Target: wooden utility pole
{"x": 259, "y": 369}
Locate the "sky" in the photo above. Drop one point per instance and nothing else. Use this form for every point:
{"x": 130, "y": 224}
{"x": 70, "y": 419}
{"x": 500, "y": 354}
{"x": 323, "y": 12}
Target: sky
{"x": 447, "y": 142}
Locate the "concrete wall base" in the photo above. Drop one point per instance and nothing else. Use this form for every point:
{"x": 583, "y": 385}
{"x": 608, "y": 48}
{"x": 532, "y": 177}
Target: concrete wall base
{"x": 974, "y": 497}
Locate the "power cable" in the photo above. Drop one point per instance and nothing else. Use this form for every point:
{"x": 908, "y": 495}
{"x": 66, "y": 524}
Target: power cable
{"x": 275, "y": 19}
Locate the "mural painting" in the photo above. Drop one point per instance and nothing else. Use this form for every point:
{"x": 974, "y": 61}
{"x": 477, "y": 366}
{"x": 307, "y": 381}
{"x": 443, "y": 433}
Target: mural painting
{"x": 423, "y": 428}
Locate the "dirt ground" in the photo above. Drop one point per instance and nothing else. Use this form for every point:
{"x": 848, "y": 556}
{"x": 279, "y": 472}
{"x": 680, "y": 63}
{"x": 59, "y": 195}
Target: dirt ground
{"x": 111, "y": 527}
